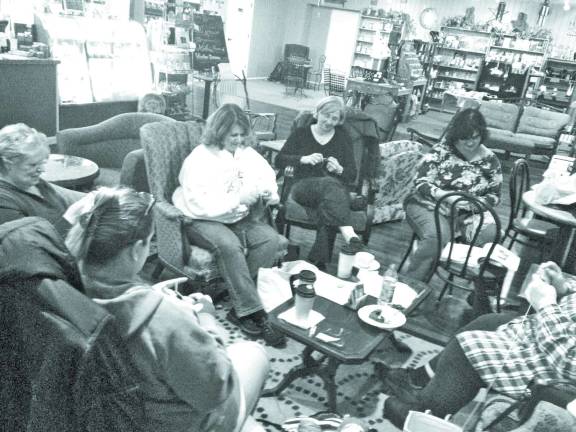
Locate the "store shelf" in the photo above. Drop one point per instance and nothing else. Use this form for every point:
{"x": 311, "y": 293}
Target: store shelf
{"x": 455, "y": 68}
{"x": 465, "y": 30}
{"x": 462, "y": 50}
{"x": 454, "y": 78}
{"x": 517, "y": 50}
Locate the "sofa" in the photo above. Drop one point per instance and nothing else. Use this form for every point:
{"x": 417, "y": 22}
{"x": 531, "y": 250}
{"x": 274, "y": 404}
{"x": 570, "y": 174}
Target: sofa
{"x": 111, "y": 144}
{"x": 523, "y": 129}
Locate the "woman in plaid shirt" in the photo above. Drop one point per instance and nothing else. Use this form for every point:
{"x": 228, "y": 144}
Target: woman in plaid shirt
{"x": 539, "y": 348}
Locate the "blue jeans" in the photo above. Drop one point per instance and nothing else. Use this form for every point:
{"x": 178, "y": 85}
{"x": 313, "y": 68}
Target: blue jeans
{"x": 240, "y": 249}
{"x": 421, "y": 219}
{"x": 330, "y": 200}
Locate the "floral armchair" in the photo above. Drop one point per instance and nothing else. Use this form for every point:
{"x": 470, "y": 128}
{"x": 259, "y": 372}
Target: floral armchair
{"x": 394, "y": 178}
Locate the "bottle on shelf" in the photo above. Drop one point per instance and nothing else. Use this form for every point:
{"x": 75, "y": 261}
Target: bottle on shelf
{"x": 389, "y": 281}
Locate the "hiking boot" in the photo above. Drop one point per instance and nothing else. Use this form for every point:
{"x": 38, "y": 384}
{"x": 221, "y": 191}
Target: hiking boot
{"x": 270, "y": 335}
{"x": 399, "y": 382}
{"x": 246, "y": 324}
{"x": 396, "y": 410}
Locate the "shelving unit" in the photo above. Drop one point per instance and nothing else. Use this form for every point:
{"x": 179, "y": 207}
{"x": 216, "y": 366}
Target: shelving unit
{"x": 502, "y": 80}
{"x": 557, "y": 86}
{"x": 529, "y": 52}
{"x": 457, "y": 61}
{"x": 372, "y": 42}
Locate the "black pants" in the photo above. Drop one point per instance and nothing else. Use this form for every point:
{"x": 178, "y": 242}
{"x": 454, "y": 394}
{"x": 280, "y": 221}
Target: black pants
{"x": 329, "y": 200}
{"x": 456, "y": 382}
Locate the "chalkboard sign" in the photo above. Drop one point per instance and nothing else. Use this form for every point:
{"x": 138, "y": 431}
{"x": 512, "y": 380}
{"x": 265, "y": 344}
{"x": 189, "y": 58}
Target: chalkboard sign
{"x": 210, "y": 42}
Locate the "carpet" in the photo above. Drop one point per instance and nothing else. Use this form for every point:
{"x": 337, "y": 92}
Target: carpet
{"x": 359, "y": 392}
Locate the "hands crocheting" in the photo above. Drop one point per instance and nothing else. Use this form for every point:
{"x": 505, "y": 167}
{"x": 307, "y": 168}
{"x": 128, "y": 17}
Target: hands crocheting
{"x": 333, "y": 166}
{"x": 203, "y": 303}
{"x": 312, "y": 159}
{"x": 546, "y": 285}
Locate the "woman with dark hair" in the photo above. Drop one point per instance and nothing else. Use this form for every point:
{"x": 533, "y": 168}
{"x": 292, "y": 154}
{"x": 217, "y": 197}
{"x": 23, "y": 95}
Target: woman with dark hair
{"x": 324, "y": 165}
{"x": 188, "y": 379}
{"x": 460, "y": 163}
{"x": 225, "y": 185}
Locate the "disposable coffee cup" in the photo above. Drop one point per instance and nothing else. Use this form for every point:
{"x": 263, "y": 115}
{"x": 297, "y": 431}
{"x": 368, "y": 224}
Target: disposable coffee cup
{"x": 364, "y": 260}
{"x": 304, "y": 296}
{"x": 345, "y": 262}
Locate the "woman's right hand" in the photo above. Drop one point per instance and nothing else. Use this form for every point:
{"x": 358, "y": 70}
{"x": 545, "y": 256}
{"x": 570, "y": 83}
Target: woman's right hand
{"x": 249, "y": 196}
{"x": 312, "y": 159}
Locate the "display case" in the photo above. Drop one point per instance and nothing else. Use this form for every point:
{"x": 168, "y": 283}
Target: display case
{"x": 100, "y": 59}
{"x": 557, "y": 86}
{"x": 458, "y": 60}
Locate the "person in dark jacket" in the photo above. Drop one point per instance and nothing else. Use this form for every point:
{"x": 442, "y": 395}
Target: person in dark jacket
{"x": 64, "y": 364}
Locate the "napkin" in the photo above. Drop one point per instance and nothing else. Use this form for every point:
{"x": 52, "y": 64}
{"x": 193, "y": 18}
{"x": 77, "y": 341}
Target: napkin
{"x": 290, "y": 317}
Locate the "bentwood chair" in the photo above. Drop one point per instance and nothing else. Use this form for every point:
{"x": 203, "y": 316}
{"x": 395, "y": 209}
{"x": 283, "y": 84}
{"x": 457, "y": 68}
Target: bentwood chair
{"x": 461, "y": 261}
{"x": 521, "y": 227}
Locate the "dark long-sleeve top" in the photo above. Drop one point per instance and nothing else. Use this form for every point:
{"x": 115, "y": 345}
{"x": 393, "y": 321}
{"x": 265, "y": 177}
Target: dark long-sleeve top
{"x": 16, "y": 203}
{"x": 302, "y": 143}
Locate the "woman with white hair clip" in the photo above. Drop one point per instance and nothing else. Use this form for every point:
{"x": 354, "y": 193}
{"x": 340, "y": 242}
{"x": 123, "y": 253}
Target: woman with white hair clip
{"x": 23, "y": 156}
{"x": 324, "y": 164}
{"x": 189, "y": 380}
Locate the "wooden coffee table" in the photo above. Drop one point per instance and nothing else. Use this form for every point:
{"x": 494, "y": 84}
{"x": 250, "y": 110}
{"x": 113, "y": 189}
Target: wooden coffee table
{"x": 70, "y": 171}
{"x": 358, "y": 342}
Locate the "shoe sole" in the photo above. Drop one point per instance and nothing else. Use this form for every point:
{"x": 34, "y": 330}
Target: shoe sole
{"x": 236, "y": 321}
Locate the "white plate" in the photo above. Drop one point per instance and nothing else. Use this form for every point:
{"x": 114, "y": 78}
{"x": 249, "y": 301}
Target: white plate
{"x": 394, "y": 318}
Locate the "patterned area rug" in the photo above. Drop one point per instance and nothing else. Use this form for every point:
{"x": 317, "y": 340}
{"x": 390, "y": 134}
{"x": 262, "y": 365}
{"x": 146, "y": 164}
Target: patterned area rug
{"x": 359, "y": 391}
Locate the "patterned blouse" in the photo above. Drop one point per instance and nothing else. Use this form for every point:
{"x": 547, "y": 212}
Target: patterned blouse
{"x": 442, "y": 168}
{"x": 541, "y": 348}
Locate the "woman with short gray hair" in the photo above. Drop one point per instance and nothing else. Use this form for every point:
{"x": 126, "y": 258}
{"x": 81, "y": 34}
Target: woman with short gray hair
{"x": 23, "y": 155}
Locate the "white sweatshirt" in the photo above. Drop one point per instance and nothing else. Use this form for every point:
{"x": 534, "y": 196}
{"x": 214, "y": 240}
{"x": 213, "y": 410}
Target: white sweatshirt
{"x": 213, "y": 180}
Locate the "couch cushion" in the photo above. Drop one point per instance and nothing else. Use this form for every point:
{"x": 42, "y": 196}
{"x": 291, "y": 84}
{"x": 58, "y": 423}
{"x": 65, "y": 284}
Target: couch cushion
{"x": 500, "y": 115}
{"x": 535, "y": 121}
{"x": 537, "y": 141}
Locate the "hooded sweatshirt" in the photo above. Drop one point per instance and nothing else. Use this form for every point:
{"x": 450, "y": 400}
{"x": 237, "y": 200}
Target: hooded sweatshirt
{"x": 188, "y": 381}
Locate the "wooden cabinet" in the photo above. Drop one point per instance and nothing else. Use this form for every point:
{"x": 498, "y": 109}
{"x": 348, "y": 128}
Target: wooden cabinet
{"x": 29, "y": 93}
{"x": 458, "y": 60}
{"x": 557, "y": 86}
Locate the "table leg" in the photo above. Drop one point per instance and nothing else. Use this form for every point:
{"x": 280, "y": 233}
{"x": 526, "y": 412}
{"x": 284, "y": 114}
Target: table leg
{"x": 569, "y": 245}
{"x": 310, "y": 366}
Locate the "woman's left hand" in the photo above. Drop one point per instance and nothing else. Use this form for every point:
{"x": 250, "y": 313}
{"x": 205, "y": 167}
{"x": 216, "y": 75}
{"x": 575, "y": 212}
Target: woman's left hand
{"x": 333, "y": 166}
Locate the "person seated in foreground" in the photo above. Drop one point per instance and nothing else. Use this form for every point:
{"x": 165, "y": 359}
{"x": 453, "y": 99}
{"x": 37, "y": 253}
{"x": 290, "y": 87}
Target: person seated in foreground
{"x": 498, "y": 350}
{"x": 225, "y": 186}
{"x": 460, "y": 163}
{"x": 324, "y": 166}
{"x": 23, "y": 156}
{"x": 190, "y": 380}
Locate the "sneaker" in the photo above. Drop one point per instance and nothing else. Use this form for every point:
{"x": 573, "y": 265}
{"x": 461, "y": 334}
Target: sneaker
{"x": 246, "y": 324}
{"x": 270, "y": 335}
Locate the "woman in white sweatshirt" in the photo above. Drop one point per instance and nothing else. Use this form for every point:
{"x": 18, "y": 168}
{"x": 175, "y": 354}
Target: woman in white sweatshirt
{"x": 224, "y": 186}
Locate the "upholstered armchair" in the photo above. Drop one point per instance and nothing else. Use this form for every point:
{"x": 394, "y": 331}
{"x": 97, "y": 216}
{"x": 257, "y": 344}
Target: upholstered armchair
{"x": 363, "y": 133}
{"x": 394, "y": 178}
{"x": 108, "y": 143}
{"x": 166, "y": 145}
